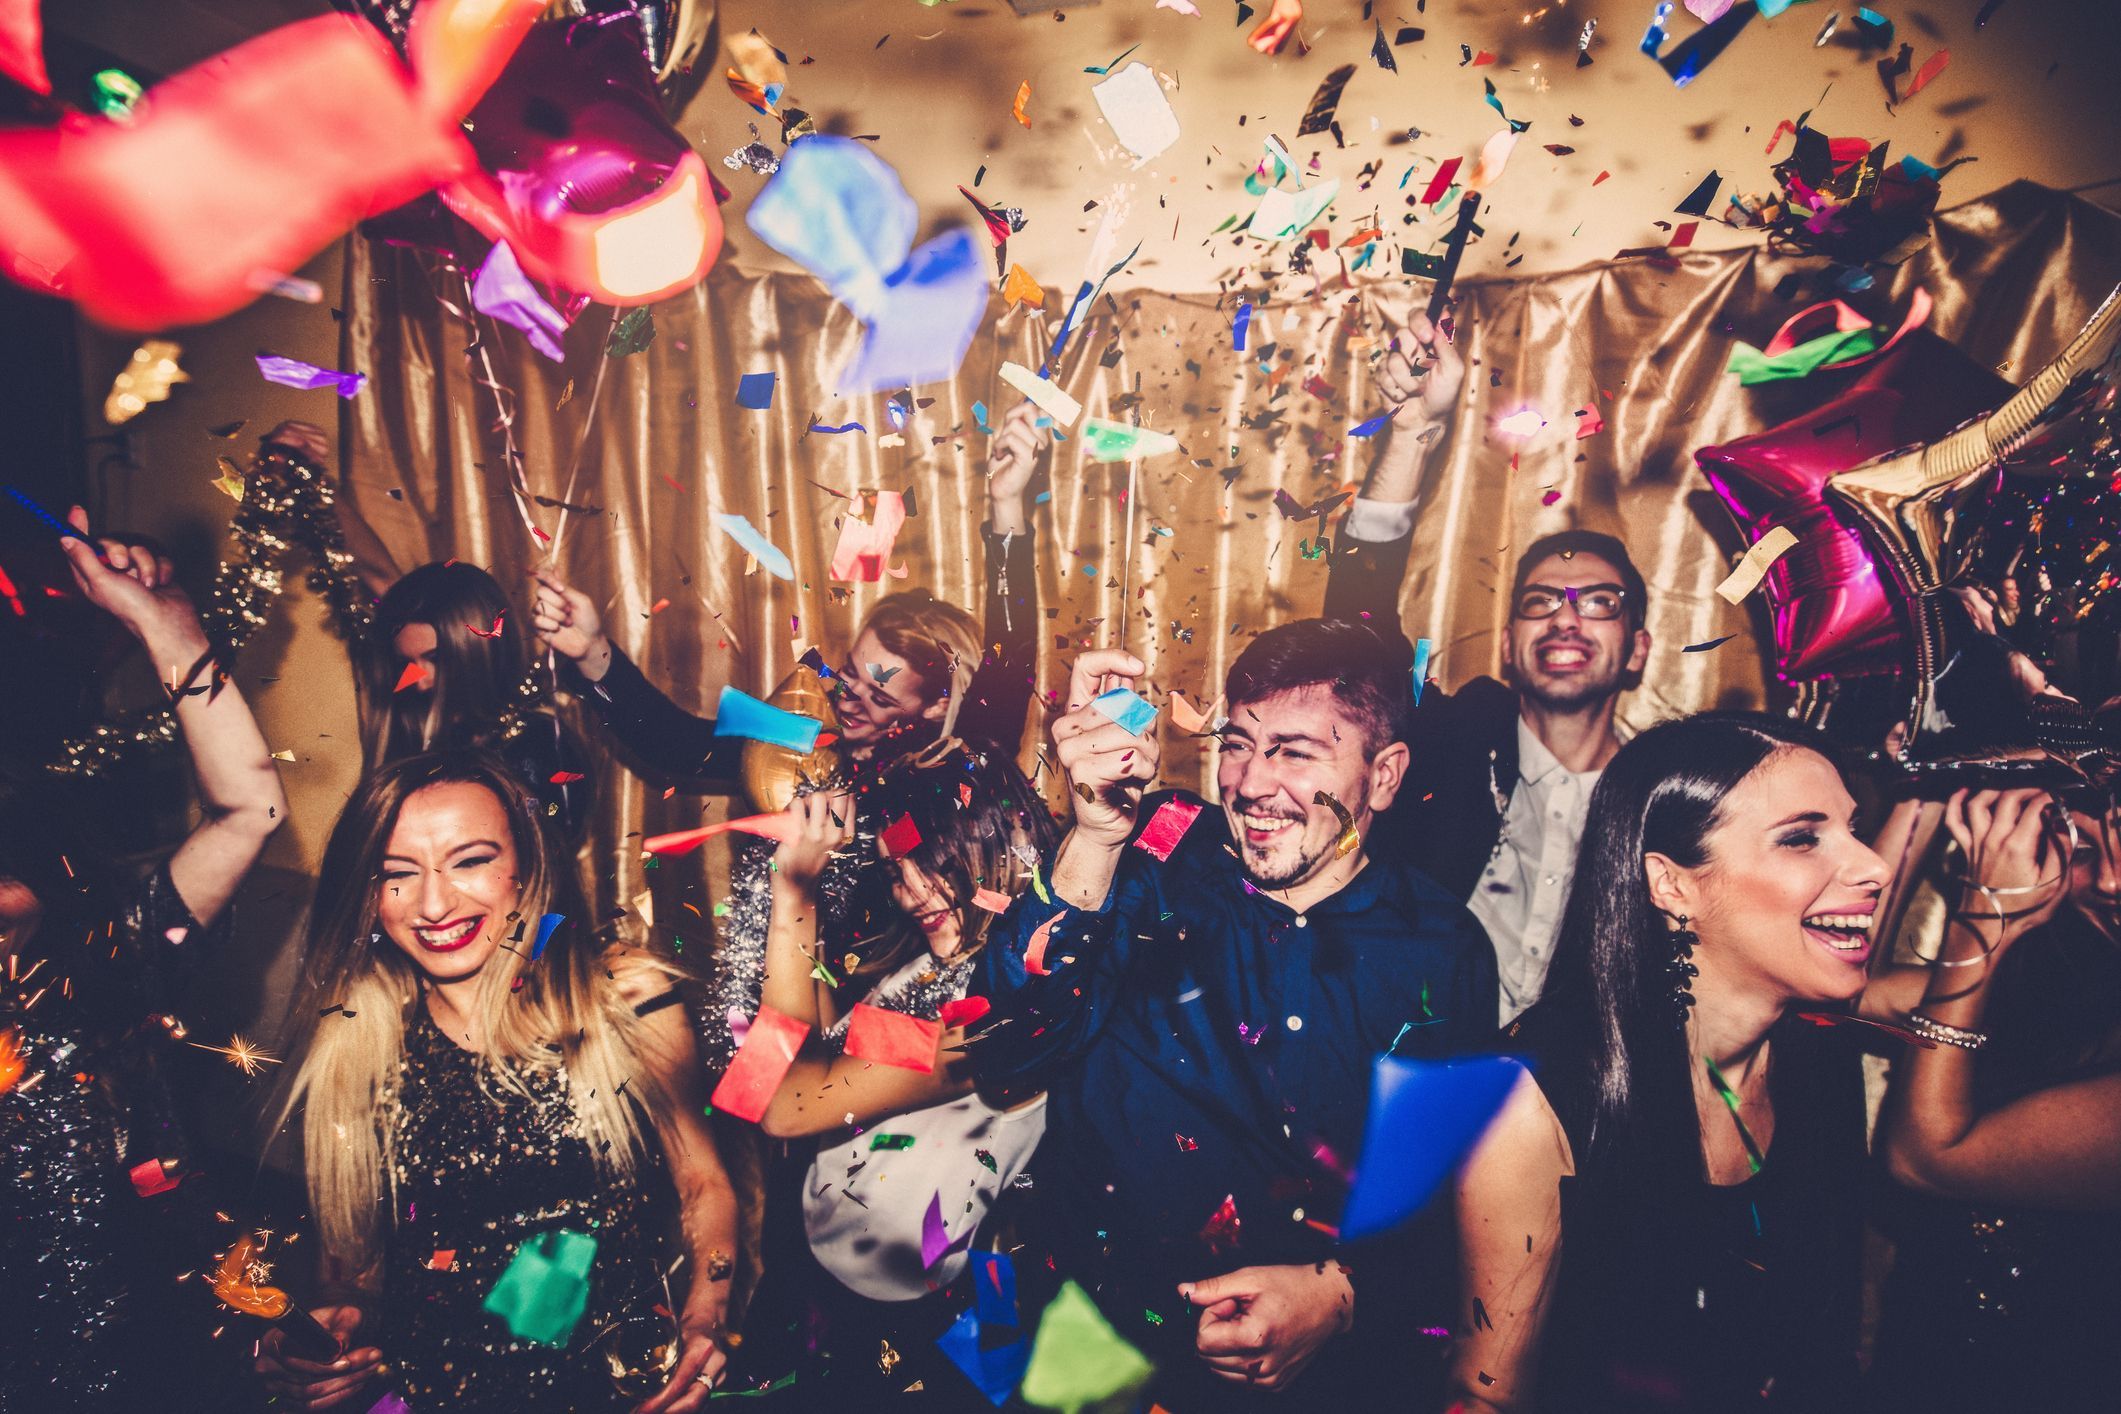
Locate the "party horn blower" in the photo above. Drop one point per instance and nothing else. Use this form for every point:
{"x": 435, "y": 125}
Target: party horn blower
{"x": 239, "y": 1284}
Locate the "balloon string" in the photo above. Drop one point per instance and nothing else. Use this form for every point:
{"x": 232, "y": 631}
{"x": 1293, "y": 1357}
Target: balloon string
{"x": 589, "y": 418}
{"x": 503, "y": 402}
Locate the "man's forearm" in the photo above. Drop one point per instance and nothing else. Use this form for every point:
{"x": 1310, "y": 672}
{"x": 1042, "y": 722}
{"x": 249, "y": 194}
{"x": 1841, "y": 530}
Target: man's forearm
{"x": 1398, "y": 470}
{"x": 1083, "y": 869}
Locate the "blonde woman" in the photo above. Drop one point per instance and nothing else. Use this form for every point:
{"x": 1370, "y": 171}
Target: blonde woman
{"x": 479, "y": 1071}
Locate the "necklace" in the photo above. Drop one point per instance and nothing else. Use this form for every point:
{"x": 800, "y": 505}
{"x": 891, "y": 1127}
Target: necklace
{"x": 1730, "y": 1099}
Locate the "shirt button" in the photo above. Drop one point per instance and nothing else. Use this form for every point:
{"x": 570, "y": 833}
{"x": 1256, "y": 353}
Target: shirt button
{"x": 1302, "y": 921}
{"x": 1550, "y": 878}
{"x": 1296, "y": 1023}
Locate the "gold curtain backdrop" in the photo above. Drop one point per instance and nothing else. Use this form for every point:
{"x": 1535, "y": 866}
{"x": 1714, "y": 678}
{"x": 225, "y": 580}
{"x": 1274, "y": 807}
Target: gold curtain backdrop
{"x": 2013, "y": 275}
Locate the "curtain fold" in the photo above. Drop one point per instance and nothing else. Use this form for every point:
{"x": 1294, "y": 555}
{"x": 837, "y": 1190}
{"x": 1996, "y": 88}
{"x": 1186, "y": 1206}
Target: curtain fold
{"x": 662, "y": 444}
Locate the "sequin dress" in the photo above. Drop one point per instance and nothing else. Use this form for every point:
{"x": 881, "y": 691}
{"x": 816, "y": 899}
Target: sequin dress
{"x": 87, "y": 1311}
{"x": 479, "y": 1170}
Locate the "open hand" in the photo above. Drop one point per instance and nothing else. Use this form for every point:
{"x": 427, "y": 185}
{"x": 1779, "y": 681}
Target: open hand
{"x": 1262, "y": 1325}
{"x": 329, "y": 1384}
{"x": 1105, "y": 765}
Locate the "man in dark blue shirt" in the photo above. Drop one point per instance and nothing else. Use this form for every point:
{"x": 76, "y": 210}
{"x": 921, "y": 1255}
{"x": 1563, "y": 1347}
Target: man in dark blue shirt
{"x": 1204, "y": 1006}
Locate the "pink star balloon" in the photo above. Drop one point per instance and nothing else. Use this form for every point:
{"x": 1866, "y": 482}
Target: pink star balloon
{"x": 1833, "y": 608}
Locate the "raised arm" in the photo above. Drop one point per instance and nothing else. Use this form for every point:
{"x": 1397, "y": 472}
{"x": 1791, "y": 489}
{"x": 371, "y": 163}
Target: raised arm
{"x": 2056, "y": 1148}
{"x": 662, "y": 737}
{"x": 241, "y": 801}
{"x": 372, "y": 561}
{"x": 1421, "y": 378}
{"x": 1509, "y": 1239}
{"x": 707, "y": 1202}
{"x": 793, "y": 983}
{"x": 999, "y": 695}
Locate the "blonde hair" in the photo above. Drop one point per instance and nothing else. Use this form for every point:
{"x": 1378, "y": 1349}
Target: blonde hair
{"x": 938, "y": 640}
{"x": 357, "y": 991}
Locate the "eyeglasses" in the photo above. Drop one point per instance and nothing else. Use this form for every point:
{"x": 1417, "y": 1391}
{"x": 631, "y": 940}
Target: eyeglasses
{"x": 1591, "y": 601}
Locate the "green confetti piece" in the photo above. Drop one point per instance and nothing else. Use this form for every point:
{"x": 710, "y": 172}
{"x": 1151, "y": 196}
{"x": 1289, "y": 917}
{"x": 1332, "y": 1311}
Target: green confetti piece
{"x": 1038, "y": 884}
{"x": 545, "y": 1290}
{"x": 1752, "y": 366}
{"x": 890, "y": 1141}
{"x": 1078, "y": 1359}
{"x": 631, "y": 332}
{"x": 116, "y": 93}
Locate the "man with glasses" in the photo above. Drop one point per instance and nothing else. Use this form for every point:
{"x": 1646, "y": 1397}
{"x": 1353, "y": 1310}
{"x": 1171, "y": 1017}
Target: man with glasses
{"x": 1502, "y": 772}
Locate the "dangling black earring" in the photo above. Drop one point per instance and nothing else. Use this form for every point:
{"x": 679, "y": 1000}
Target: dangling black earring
{"x": 1681, "y": 969}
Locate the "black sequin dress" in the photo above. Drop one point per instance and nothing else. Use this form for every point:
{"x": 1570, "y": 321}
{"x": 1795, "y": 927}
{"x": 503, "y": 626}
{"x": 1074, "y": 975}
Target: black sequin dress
{"x": 90, "y": 1317}
{"x": 481, "y": 1169}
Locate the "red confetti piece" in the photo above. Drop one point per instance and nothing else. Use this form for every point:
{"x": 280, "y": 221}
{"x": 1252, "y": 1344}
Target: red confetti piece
{"x": 415, "y": 673}
{"x": 1684, "y": 236}
{"x": 1441, "y": 182}
{"x": 900, "y": 838}
{"x": 1600, "y": 177}
{"x": 1929, "y": 70}
{"x": 1483, "y": 57}
{"x": 565, "y": 778}
{"x": 443, "y": 1259}
{"x": 892, "y": 1038}
{"x": 1035, "y": 951}
{"x": 776, "y": 827}
{"x": 964, "y": 1011}
{"x": 1167, "y": 827}
{"x": 760, "y": 1064}
{"x": 151, "y": 1178}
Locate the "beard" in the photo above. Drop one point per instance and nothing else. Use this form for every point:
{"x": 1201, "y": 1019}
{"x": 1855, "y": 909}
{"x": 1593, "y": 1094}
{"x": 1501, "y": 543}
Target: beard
{"x": 1299, "y": 867}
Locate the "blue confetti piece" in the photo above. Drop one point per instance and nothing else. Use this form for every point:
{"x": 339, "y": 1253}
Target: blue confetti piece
{"x": 1126, "y": 707}
{"x": 755, "y": 391}
{"x": 740, "y": 714}
{"x": 769, "y": 555}
{"x": 895, "y": 413}
{"x": 1422, "y": 649}
{"x": 843, "y": 427}
{"x": 994, "y": 1372}
{"x": 1374, "y": 425}
{"x": 979, "y": 418}
{"x": 1241, "y": 328}
{"x": 547, "y": 926}
{"x": 1425, "y": 1117}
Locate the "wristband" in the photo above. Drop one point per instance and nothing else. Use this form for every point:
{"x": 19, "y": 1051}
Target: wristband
{"x": 1930, "y": 1029}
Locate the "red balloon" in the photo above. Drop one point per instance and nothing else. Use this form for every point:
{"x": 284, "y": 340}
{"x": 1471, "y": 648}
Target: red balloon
{"x": 227, "y": 175}
{"x": 1833, "y": 607}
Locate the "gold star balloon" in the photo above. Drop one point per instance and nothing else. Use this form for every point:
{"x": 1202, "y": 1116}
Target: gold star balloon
{"x": 1924, "y": 507}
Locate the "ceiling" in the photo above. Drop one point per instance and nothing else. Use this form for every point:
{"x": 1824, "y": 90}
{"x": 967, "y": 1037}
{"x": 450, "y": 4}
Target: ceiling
{"x": 2031, "y": 94}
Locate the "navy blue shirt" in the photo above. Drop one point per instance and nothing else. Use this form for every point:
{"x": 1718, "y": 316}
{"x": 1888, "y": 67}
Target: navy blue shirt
{"x": 1208, "y": 1054}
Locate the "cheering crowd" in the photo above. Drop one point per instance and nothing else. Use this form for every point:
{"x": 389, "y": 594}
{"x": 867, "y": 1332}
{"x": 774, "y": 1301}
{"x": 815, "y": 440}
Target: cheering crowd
{"x": 1147, "y": 1032}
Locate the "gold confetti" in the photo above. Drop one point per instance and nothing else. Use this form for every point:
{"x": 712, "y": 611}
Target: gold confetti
{"x": 1746, "y": 578}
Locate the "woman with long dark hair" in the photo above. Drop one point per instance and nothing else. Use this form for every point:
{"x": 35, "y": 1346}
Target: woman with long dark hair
{"x": 479, "y": 1073}
{"x": 1664, "y": 1216}
{"x": 969, "y": 831}
{"x": 446, "y": 667}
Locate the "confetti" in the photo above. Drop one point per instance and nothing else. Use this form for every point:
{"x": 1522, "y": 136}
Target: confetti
{"x": 146, "y": 378}
{"x": 892, "y": 1038}
{"x": 755, "y": 391}
{"x": 755, "y": 1073}
{"x": 745, "y": 534}
{"x": 545, "y": 1290}
{"x": 1746, "y": 577}
{"x": 294, "y": 373}
{"x": 1042, "y": 391}
{"x": 1167, "y": 827}
{"x": 1128, "y": 708}
{"x": 740, "y": 714}
{"x": 1137, "y": 111}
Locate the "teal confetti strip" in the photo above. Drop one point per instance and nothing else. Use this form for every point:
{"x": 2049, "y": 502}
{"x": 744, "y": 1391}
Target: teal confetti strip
{"x": 1422, "y": 649}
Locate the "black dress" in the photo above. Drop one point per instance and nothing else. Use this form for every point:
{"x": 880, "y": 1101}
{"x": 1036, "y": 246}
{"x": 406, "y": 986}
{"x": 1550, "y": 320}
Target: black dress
{"x": 1989, "y": 1305}
{"x": 90, "y": 1317}
{"x": 1678, "y": 1295}
{"x": 480, "y": 1169}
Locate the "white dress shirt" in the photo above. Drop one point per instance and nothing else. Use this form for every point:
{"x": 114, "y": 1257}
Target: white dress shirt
{"x": 1521, "y": 893}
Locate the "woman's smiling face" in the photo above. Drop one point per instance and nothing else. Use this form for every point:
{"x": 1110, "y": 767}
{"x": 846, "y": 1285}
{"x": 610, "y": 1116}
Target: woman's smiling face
{"x": 448, "y": 882}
